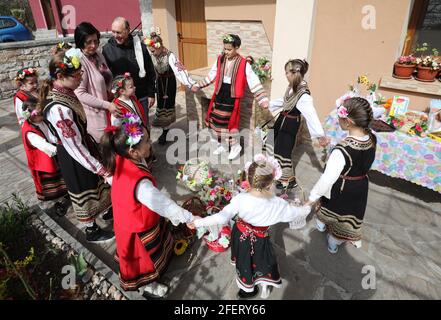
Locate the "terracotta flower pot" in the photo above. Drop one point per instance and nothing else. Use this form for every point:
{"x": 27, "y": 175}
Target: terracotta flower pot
{"x": 426, "y": 74}
{"x": 403, "y": 71}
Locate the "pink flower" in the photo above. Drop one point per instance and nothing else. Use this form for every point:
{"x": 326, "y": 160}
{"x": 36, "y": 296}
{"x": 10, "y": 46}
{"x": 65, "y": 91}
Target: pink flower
{"x": 245, "y": 185}
{"x": 342, "y": 112}
{"x": 418, "y": 128}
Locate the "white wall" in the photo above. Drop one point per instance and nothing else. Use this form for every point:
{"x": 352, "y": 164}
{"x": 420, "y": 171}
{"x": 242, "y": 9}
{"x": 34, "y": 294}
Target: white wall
{"x": 292, "y": 38}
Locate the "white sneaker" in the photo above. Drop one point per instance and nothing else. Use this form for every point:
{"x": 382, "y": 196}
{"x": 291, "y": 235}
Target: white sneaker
{"x": 235, "y": 151}
{"x": 321, "y": 227}
{"x": 220, "y": 149}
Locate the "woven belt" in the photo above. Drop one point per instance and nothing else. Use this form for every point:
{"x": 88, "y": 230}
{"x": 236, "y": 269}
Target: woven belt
{"x": 249, "y": 231}
{"x": 353, "y": 178}
{"x": 287, "y": 115}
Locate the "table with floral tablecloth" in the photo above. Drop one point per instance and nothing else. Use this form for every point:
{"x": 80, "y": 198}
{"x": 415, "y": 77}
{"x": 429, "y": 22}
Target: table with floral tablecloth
{"x": 400, "y": 155}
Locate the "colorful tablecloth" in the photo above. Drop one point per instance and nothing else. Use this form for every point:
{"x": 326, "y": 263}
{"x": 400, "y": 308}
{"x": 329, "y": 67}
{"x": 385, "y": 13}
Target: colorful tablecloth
{"x": 400, "y": 155}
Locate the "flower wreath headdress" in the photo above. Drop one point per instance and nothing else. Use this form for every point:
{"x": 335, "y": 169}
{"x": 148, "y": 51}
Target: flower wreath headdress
{"x": 132, "y": 126}
{"x": 150, "y": 42}
{"x": 228, "y": 38}
{"x": 277, "y": 170}
{"x": 28, "y": 114}
{"x": 26, "y": 72}
{"x": 120, "y": 83}
{"x": 71, "y": 60}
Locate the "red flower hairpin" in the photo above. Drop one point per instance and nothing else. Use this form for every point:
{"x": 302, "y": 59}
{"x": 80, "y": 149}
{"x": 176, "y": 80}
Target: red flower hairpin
{"x": 111, "y": 129}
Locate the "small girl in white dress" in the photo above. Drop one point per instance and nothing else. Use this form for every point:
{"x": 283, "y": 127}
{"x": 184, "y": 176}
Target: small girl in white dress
{"x": 251, "y": 249}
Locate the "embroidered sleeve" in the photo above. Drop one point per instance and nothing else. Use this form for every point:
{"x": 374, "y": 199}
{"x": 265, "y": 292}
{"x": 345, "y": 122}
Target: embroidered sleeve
{"x": 209, "y": 79}
{"x": 155, "y": 200}
{"x": 180, "y": 71}
{"x": 61, "y": 119}
{"x": 256, "y": 87}
{"x": 41, "y": 144}
{"x": 334, "y": 167}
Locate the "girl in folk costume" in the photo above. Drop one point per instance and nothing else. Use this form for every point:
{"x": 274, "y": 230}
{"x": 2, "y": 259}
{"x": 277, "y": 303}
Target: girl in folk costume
{"x": 297, "y": 102}
{"x": 49, "y": 184}
{"x": 251, "y": 249}
{"x": 231, "y": 73}
{"x": 168, "y": 68}
{"x": 343, "y": 187}
{"x": 123, "y": 90}
{"x": 144, "y": 243}
{"x": 76, "y": 150}
{"x": 27, "y": 83}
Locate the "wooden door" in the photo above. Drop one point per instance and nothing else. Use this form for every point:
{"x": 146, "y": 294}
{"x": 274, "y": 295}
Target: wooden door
{"x": 192, "y": 33}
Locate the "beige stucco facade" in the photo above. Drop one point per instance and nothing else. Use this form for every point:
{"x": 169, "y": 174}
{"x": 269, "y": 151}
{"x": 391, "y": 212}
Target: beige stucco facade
{"x": 340, "y": 38}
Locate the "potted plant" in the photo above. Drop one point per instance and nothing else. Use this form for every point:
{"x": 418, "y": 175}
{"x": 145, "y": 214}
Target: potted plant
{"x": 428, "y": 65}
{"x": 428, "y": 68}
{"x": 404, "y": 67}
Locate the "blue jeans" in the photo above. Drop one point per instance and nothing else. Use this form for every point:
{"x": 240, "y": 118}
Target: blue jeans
{"x": 145, "y": 104}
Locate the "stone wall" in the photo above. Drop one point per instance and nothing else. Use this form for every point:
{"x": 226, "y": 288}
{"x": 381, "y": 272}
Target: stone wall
{"x": 17, "y": 55}
{"x": 255, "y": 42}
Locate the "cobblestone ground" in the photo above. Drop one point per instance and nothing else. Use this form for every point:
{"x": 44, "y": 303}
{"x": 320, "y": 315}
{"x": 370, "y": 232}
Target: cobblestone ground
{"x": 401, "y": 235}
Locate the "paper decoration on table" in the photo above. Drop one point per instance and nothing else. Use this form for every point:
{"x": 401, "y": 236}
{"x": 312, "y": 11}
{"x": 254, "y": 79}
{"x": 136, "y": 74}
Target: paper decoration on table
{"x": 399, "y": 106}
{"x": 434, "y": 116}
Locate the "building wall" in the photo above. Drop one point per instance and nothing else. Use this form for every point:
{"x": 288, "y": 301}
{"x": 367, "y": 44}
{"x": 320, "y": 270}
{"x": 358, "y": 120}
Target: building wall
{"x": 254, "y": 39}
{"x": 164, "y": 16}
{"x": 290, "y": 44}
{"x": 244, "y": 10}
{"x": 342, "y": 49}
{"x": 99, "y": 12}
{"x": 35, "y": 53}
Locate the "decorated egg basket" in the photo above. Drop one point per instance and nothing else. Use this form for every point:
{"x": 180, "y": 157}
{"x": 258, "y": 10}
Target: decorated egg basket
{"x": 222, "y": 243}
{"x": 183, "y": 235}
{"x": 195, "y": 174}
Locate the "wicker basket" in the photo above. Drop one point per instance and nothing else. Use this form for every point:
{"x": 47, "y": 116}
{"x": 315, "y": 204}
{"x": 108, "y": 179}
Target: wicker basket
{"x": 297, "y": 199}
{"x": 197, "y": 171}
{"x": 182, "y": 232}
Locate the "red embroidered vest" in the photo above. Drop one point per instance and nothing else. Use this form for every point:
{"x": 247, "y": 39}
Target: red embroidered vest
{"x": 126, "y": 108}
{"x": 130, "y": 214}
{"x": 37, "y": 160}
{"x": 238, "y": 80}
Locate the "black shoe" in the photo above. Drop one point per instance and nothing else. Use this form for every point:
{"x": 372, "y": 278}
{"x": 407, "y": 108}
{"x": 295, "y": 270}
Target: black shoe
{"x": 108, "y": 216}
{"x": 60, "y": 209}
{"x": 247, "y": 295}
{"x": 95, "y": 234}
{"x": 163, "y": 138}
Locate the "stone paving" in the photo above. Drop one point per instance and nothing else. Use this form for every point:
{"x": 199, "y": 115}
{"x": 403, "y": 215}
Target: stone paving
{"x": 401, "y": 235}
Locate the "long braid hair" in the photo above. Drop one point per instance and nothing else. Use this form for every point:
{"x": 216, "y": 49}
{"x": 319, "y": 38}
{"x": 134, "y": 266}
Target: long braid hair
{"x": 360, "y": 112}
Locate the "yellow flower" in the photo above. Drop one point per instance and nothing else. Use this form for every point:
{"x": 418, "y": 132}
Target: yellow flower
{"x": 75, "y": 62}
{"x": 180, "y": 247}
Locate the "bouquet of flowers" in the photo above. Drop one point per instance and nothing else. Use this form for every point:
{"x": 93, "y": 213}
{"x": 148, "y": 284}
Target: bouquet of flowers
{"x": 261, "y": 67}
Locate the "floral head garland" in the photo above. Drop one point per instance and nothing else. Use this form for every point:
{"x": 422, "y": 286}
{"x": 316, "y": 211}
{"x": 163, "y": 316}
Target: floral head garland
{"x": 228, "y": 38}
{"x": 26, "y": 72}
{"x": 151, "y": 43}
{"x": 132, "y": 126}
{"x": 71, "y": 60}
{"x": 119, "y": 83}
{"x": 28, "y": 114}
{"x": 277, "y": 170}
{"x": 63, "y": 45}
